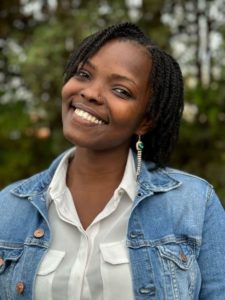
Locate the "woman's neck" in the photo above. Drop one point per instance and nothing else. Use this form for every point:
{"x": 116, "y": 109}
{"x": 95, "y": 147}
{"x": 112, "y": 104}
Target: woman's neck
{"x": 97, "y": 165}
{"x": 92, "y": 178}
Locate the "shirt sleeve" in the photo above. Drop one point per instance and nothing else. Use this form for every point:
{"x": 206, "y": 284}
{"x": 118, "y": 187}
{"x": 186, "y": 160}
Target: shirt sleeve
{"x": 212, "y": 253}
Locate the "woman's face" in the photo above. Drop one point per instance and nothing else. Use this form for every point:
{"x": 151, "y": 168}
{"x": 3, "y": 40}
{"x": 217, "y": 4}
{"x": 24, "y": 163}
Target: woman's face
{"x": 105, "y": 102}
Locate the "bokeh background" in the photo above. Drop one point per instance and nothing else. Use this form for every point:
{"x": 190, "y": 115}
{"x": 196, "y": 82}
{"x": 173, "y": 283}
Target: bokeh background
{"x": 36, "y": 38}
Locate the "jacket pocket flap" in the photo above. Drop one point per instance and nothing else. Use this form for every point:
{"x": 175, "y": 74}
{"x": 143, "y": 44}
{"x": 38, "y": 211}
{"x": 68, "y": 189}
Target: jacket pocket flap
{"x": 181, "y": 254}
{"x": 9, "y": 255}
{"x": 50, "y": 262}
{"x": 114, "y": 253}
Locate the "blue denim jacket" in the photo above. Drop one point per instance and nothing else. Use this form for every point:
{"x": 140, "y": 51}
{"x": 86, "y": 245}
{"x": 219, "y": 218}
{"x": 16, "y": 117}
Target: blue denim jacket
{"x": 175, "y": 237}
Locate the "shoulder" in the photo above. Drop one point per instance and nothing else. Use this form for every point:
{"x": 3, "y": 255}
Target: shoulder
{"x": 12, "y": 195}
{"x": 180, "y": 176}
{"x": 16, "y": 200}
{"x": 178, "y": 185}
{"x": 183, "y": 193}
{"x": 194, "y": 187}
{"x": 36, "y": 184}
{"x": 190, "y": 181}
{"x": 186, "y": 176}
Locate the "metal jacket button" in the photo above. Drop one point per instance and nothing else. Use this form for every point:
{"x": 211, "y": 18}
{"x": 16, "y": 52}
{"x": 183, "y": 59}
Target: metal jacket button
{"x": 183, "y": 257}
{"x": 38, "y": 233}
{"x": 20, "y": 286}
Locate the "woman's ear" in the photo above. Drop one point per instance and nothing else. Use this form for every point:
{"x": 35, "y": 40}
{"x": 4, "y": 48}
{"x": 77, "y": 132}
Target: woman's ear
{"x": 145, "y": 126}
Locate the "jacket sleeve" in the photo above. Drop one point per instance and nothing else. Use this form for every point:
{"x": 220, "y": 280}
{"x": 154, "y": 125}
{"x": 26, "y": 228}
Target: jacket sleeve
{"x": 212, "y": 253}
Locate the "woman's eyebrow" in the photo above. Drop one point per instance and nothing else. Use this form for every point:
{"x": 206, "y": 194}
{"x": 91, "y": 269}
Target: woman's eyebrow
{"x": 90, "y": 64}
{"x": 122, "y": 77}
{"x": 112, "y": 76}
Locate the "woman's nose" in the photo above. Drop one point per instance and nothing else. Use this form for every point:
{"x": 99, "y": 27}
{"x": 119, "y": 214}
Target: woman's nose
{"x": 93, "y": 93}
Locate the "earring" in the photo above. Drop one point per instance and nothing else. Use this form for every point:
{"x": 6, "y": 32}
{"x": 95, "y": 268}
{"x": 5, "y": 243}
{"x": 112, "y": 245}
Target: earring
{"x": 139, "y": 148}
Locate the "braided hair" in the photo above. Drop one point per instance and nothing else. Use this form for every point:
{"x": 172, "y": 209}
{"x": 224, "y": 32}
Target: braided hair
{"x": 166, "y": 86}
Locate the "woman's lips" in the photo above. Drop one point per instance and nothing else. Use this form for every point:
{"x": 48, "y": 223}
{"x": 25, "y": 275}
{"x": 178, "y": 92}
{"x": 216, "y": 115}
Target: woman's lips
{"x": 88, "y": 113}
{"x": 87, "y": 116}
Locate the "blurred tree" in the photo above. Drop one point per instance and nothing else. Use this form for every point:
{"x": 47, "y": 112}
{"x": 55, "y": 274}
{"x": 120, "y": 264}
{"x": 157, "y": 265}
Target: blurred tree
{"x": 36, "y": 38}
{"x": 197, "y": 26}
{"x": 197, "y": 41}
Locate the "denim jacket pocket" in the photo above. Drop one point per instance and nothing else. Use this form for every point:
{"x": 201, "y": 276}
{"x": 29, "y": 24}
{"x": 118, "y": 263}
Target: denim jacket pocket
{"x": 9, "y": 256}
{"x": 180, "y": 270}
{"x": 181, "y": 254}
{"x": 115, "y": 271}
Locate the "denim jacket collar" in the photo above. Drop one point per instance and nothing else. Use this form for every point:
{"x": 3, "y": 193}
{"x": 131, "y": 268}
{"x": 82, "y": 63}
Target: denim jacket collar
{"x": 38, "y": 183}
{"x": 150, "y": 180}
{"x": 156, "y": 180}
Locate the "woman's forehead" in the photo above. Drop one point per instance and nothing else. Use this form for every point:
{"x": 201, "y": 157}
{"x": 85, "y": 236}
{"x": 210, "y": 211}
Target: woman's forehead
{"x": 127, "y": 53}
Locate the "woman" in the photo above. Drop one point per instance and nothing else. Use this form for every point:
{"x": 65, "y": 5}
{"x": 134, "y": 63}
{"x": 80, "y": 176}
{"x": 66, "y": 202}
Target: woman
{"x": 99, "y": 224}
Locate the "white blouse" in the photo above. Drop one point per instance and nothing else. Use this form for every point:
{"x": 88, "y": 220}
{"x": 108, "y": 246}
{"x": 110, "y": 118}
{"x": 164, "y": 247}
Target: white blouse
{"x": 91, "y": 264}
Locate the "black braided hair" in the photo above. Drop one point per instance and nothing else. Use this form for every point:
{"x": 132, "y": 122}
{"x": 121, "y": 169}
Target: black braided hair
{"x": 166, "y": 86}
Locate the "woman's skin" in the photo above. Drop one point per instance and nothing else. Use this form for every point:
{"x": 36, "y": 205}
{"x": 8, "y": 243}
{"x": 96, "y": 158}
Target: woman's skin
{"x": 112, "y": 87}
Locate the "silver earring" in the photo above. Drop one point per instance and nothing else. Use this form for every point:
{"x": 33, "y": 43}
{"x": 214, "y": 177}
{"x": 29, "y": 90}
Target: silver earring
{"x": 139, "y": 148}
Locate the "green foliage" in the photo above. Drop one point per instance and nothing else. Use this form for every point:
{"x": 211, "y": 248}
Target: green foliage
{"x": 14, "y": 124}
{"x": 35, "y": 50}
{"x": 201, "y": 149}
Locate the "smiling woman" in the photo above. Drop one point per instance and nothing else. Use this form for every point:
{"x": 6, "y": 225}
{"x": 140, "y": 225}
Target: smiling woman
{"x": 101, "y": 223}
{"x": 109, "y": 96}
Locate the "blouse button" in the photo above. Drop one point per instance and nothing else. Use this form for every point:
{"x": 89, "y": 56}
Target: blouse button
{"x": 39, "y": 233}
{"x": 133, "y": 235}
{"x": 1, "y": 261}
{"x": 20, "y": 286}
{"x": 146, "y": 290}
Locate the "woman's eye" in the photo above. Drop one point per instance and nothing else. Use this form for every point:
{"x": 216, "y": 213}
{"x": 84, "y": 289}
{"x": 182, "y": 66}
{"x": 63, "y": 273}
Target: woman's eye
{"x": 82, "y": 74}
{"x": 123, "y": 93}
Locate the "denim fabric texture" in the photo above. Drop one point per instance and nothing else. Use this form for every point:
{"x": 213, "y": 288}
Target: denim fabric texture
{"x": 175, "y": 236}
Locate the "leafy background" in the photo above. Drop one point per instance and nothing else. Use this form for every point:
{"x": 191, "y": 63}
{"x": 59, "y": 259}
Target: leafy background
{"x": 36, "y": 38}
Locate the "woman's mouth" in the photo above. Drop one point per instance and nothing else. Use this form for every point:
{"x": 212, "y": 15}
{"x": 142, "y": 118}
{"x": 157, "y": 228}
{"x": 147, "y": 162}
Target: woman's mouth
{"x": 87, "y": 116}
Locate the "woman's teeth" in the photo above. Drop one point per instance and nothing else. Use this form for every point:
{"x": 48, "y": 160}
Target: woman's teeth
{"x": 86, "y": 116}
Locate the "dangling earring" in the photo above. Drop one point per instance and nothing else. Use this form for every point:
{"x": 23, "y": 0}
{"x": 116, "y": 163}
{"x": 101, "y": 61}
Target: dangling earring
{"x": 139, "y": 148}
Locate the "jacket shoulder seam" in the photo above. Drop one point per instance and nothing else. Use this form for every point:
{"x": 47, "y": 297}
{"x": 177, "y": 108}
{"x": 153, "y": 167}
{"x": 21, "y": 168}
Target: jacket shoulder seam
{"x": 186, "y": 174}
